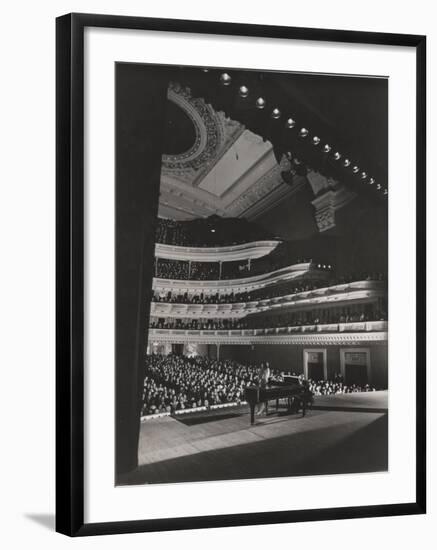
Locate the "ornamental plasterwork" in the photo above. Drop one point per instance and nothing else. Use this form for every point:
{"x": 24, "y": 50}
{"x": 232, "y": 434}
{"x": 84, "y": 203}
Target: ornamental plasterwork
{"x": 287, "y": 304}
{"x": 214, "y": 134}
{"x": 262, "y": 187}
{"x": 354, "y": 339}
{"x": 325, "y": 218}
{"x": 327, "y": 204}
{"x": 271, "y": 185}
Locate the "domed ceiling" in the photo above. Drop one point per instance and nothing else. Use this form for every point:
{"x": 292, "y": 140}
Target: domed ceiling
{"x": 214, "y": 165}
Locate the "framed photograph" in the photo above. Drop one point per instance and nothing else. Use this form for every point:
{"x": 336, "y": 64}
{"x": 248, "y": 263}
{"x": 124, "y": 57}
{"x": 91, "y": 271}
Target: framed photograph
{"x": 240, "y": 274}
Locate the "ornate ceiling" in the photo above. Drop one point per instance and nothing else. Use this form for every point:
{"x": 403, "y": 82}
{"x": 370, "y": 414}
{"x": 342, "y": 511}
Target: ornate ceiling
{"x": 228, "y": 170}
{"x": 214, "y": 165}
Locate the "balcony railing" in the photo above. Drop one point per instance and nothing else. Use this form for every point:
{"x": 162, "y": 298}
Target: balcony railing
{"x": 243, "y": 251}
{"x": 337, "y": 294}
{"x": 365, "y": 327}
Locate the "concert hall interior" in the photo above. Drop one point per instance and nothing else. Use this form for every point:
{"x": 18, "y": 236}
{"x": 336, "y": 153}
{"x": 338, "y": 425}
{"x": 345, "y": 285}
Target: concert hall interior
{"x": 260, "y": 341}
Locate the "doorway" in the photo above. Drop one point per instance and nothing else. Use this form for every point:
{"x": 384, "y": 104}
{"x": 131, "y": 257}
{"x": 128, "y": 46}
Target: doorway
{"x": 315, "y": 366}
{"x": 355, "y": 366}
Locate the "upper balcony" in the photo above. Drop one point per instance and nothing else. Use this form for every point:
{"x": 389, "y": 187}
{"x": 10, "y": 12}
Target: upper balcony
{"x": 211, "y": 232}
{"x": 241, "y": 284}
{"x": 229, "y": 253}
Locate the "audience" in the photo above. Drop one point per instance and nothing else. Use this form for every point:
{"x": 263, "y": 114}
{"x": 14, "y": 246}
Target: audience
{"x": 171, "y": 232}
{"x": 171, "y": 269}
{"x": 336, "y": 386}
{"x": 213, "y": 231}
{"x": 205, "y": 271}
{"x": 287, "y": 288}
{"x": 198, "y": 324}
{"x": 325, "y": 316}
{"x": 201, "y": 271}
{"x": 175, "y": 382}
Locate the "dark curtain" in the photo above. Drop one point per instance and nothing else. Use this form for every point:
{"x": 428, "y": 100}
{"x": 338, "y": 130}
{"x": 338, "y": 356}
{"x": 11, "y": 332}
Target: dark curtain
{"x": 141, "y": 95}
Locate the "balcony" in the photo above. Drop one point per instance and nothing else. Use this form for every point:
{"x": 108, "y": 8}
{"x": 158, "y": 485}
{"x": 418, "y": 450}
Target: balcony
{"x": 231, "y": 253}
{"x": 355, "y": 292}
{"x": 240, "y": 284}
{"x": 332, "y": 334}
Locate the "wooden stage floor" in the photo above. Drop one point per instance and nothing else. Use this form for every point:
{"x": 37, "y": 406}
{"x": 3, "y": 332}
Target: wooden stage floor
{"x": 342, "y": 434}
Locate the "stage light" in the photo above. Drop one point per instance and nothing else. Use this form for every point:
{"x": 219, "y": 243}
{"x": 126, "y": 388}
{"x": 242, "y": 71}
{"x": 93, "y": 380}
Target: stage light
{"x": 290, "y": 123}
{"x": 355, "y": 169}
{"x": 205, "y": 70}
{"x": 346, "y": 163}
{"x": 316, "y": 140}
{"x": 363, "y": 175}
{"x": 337, "y": 155}
{"x": 212, "y": 230}
{"x": 303, "y": 132}
{"x": 260, "y": 103}
{"x": 385, "y": 192}
{"x": 371, "y": 181}
{"x": 326, "y": 148}
{"x": 276, "y": 113}
{"x": 243, "y": 91}
{"x": 225, "y": 79}
{"x": 378, "y": 186}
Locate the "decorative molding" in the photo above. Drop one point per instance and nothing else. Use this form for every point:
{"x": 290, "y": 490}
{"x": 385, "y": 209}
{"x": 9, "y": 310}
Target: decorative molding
{"x": 327, "y": 204}
{"x": 236, "y": 337}
{"x": 282, "y": 304}
{"x": 253, "y": 193}
{"x": 246, "y": 283}
{"x": 215, "y": 133}
{"x": 231, "y": 130}
{"x": 262, "y": 187}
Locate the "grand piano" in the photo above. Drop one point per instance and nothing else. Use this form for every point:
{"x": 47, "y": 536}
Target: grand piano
{"x": 290, "y": 387}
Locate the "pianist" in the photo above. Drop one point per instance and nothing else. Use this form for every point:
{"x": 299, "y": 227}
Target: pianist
{"x": 263, "y": 376}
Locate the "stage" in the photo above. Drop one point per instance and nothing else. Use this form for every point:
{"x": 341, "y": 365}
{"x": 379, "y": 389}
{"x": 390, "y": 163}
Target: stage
{"x": 341, "y": 434}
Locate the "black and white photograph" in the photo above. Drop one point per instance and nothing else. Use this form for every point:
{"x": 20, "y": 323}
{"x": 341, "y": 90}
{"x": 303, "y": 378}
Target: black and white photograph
{"x": 262, "y": 331}
{"x": 215, "y": 277}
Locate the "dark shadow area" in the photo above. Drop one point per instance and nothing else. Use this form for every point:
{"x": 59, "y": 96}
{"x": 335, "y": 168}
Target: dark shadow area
{"x": 282, "y": 414}
{"x": 364, "y": 451}
{"x": 194, "y": 420}
{"x": 381, "y": 410}
{"x": 333, "y": 450}
{"x": 45, "y": 520}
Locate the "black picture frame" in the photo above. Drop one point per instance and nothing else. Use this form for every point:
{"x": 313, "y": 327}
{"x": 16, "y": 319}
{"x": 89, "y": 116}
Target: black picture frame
{"x": 70, "y": 273}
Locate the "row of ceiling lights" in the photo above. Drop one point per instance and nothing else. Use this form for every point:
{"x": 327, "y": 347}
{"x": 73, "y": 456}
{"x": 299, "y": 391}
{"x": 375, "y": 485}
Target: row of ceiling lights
{"x": 276, "y": 114}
